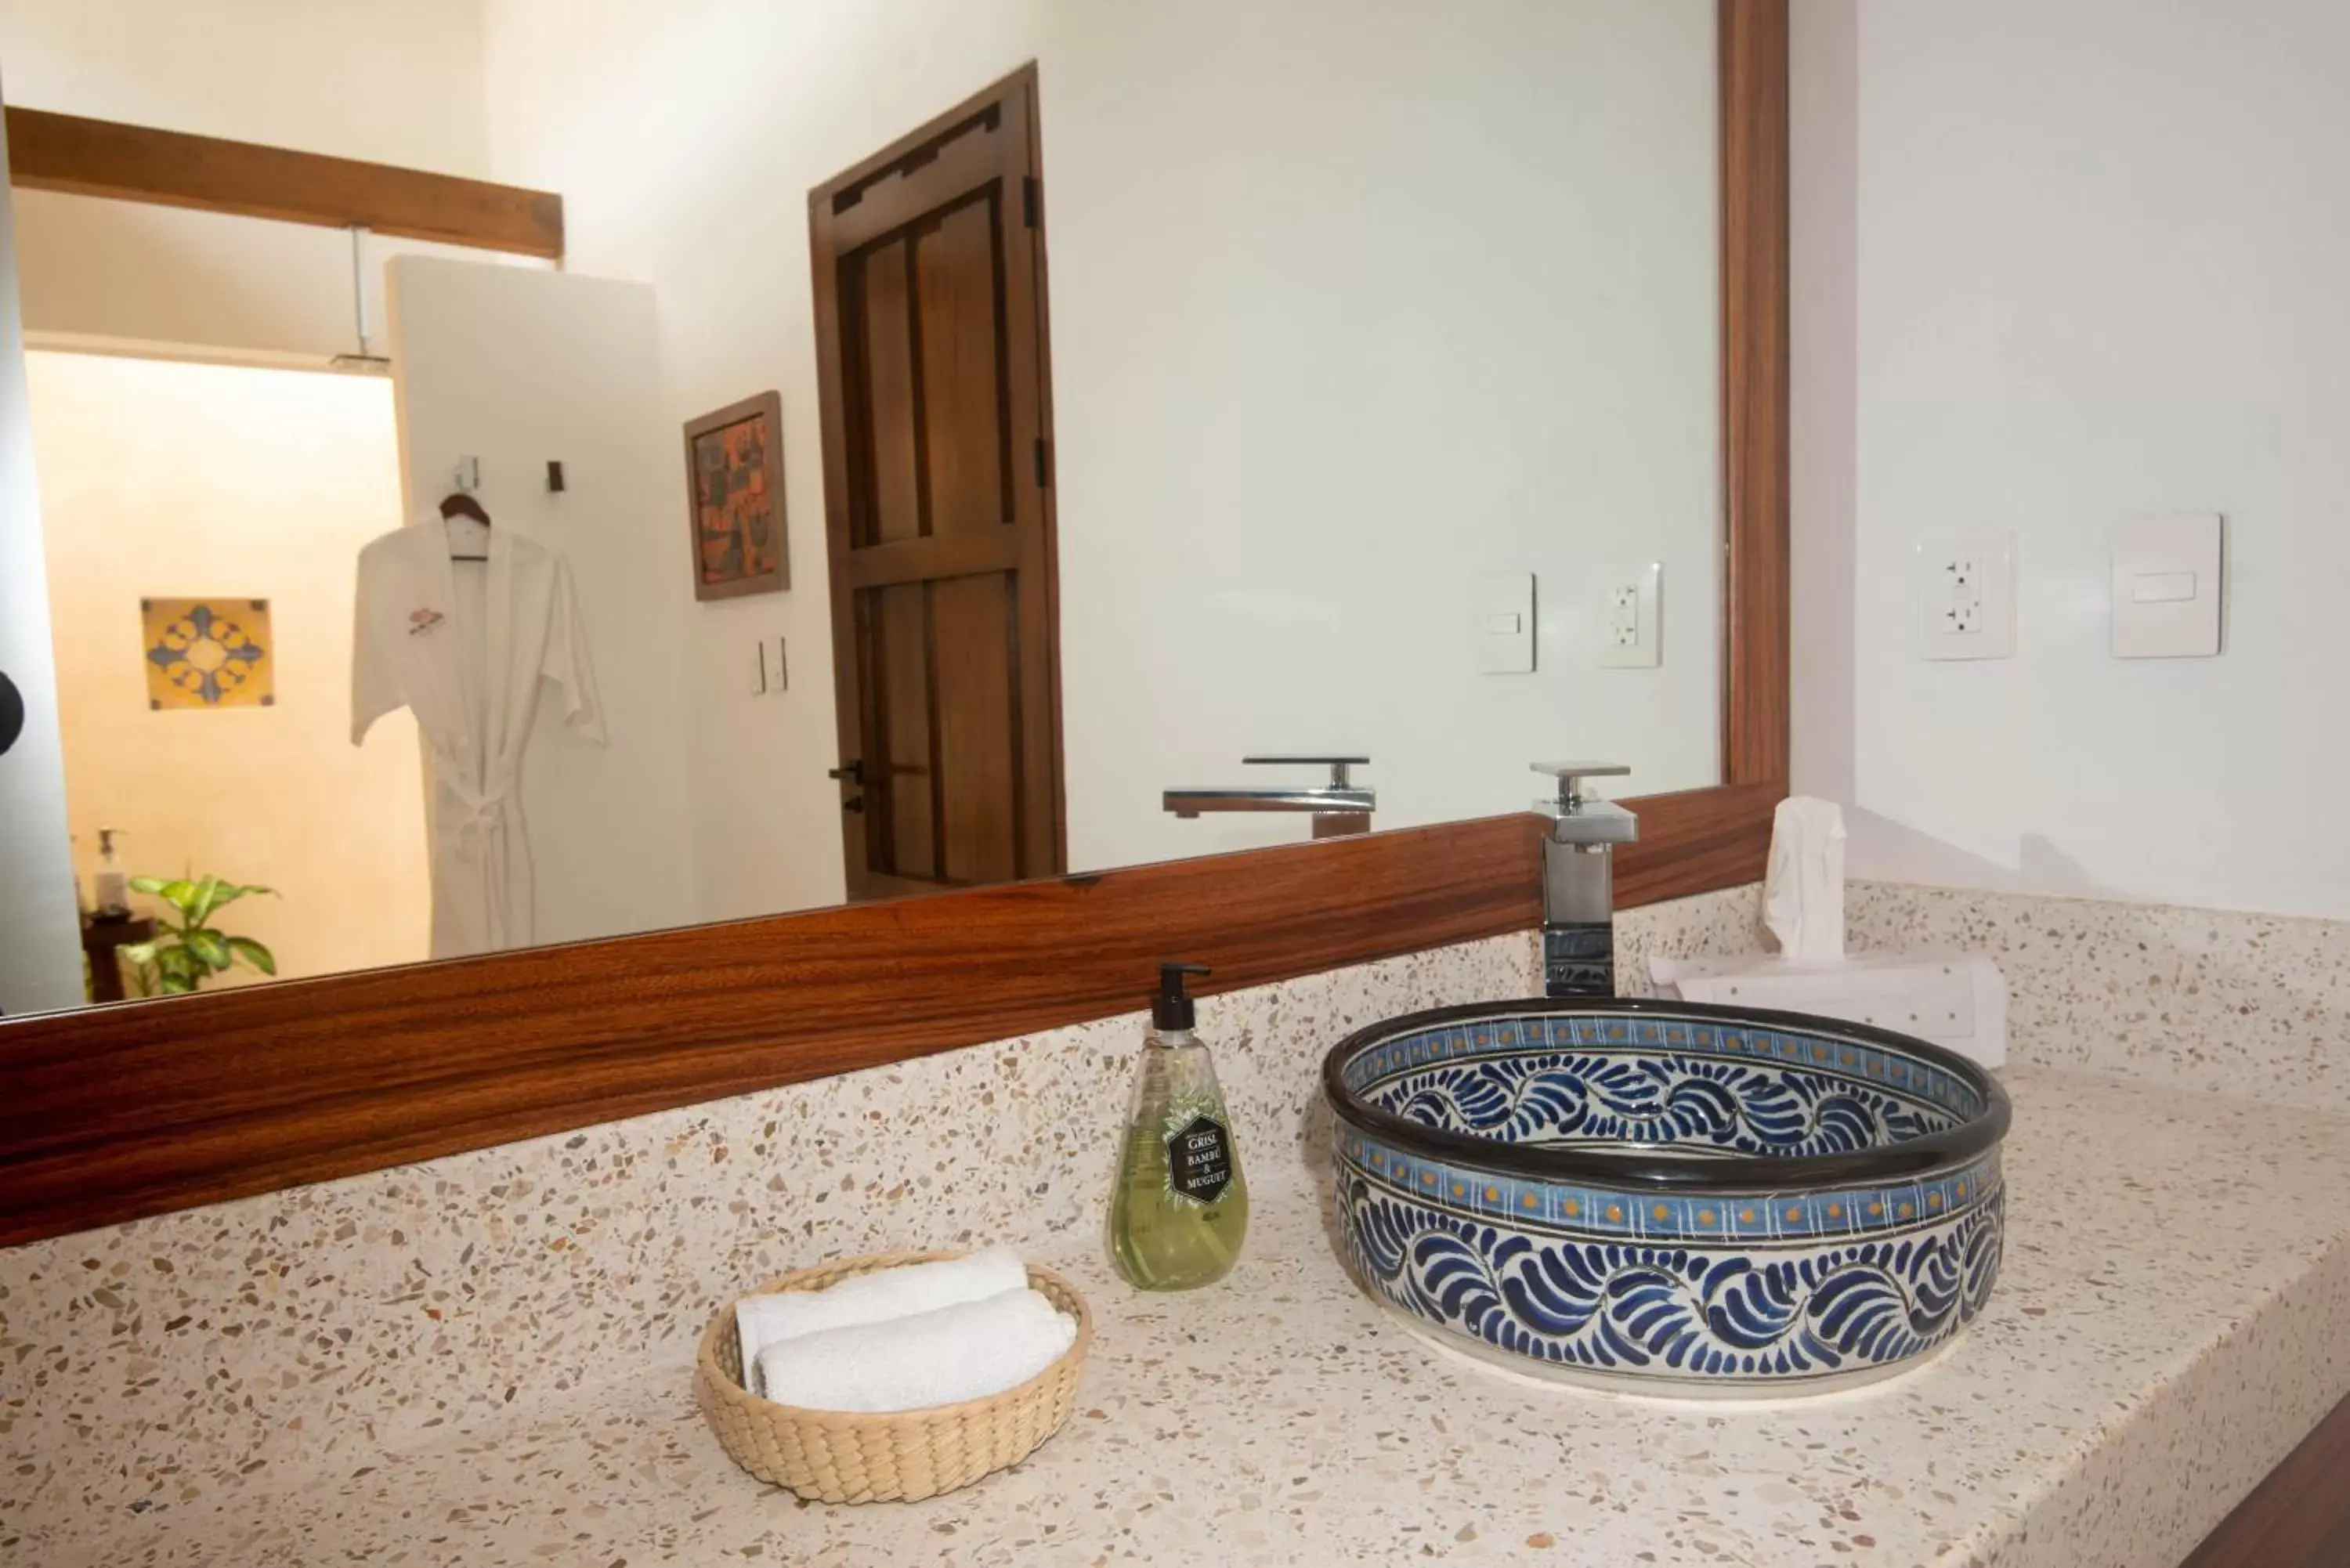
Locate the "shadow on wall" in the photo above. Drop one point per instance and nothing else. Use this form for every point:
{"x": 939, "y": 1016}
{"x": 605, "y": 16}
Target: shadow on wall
{"x": 2040, "y": 868}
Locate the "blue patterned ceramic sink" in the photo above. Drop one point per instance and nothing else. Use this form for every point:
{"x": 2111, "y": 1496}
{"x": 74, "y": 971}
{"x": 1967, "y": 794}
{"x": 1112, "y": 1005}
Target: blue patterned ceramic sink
{"x": 1666, "y": 1197}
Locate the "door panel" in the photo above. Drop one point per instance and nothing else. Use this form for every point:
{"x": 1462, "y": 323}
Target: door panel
{"x": 893, "y": 493}
{"x": 963, "y": 396}
{"x": 977, "y": 636}
{"x": 902, "y": 776}
{"x": 930, "y": 332}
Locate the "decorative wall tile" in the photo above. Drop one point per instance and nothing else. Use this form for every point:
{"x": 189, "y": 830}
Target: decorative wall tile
{"x": 207, "y": 653}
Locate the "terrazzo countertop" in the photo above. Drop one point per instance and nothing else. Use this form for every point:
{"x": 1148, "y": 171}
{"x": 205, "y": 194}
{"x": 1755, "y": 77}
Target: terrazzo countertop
{"x": 2168, "y": 1326}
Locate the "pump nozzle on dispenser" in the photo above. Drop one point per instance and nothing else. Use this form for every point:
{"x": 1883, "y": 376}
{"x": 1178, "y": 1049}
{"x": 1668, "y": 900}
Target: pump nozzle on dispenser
{"x": 1172, "y": 1008}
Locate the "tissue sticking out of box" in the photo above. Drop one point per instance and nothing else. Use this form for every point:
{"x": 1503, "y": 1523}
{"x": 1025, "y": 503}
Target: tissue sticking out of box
{"x": 1803, "y": 887}
{"x": 1954, "y": 1000}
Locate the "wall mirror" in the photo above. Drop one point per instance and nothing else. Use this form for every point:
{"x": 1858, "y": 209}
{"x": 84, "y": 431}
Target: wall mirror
{"x": 1320, "y": 381}
{"x": 931, "y": 452}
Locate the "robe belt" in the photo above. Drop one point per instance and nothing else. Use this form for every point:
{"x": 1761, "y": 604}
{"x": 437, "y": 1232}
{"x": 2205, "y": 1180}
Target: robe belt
{"x": 480, "y": 825}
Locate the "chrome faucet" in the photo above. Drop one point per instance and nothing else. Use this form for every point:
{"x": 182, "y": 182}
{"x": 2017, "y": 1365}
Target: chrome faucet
{"x": 1339, "y": 807}
{"x": 1579, "y": 880}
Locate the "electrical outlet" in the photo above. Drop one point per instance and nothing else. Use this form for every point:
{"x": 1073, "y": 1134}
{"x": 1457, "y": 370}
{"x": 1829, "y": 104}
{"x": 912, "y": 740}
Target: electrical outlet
{"x": 1631, "y": 626}
{"x": 1623, "y": 617}
{"x": 1965, "y": 593}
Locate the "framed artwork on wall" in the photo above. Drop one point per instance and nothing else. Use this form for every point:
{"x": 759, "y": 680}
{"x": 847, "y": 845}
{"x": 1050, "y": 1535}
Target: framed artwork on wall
{"x": 735, "y": 499}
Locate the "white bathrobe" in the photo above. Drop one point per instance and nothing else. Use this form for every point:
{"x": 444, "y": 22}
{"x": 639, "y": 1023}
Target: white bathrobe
{"x": 464, "y": 645}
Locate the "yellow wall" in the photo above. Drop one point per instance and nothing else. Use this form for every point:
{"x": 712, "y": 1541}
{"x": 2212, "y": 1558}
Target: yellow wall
{"x": 180, "y": 479}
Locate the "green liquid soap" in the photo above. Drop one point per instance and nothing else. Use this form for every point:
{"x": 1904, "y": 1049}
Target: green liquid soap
{"x": 1180, "y": 1211}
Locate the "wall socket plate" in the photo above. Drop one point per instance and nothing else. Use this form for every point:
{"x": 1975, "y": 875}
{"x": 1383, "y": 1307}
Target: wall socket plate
{"x": 1965, "y": 593}
{"x": 1631, "y": 615}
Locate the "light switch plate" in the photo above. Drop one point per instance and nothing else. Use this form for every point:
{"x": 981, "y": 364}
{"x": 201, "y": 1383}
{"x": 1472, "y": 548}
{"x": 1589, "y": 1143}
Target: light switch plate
{"x": 2167, "y": 586}
{"x": 1505, "y": 623}
{"x": 768, "y": 674}
{"x": 1965, "y": 582}
{"x": 1631, "y": 619}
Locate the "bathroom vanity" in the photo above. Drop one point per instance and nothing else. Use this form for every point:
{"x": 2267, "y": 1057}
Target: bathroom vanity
{"x": 2158, "y": 1338}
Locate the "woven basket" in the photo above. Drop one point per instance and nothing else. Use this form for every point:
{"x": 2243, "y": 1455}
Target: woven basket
{"x": 836, "y": 1456}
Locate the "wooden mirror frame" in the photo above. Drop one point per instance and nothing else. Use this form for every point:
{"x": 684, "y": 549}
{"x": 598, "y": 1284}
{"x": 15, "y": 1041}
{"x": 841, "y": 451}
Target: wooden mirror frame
{"x": 144, "y": 1107}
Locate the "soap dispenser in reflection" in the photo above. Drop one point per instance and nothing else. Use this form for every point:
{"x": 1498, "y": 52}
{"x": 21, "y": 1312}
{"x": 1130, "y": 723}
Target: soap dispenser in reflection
{"x": 111, "y": 888}
{"x": 1181, "y": 1209}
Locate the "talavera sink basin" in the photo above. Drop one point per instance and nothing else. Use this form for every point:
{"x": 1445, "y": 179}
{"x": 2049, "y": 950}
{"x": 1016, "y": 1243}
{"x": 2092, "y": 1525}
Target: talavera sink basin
{"x": 1668, "y": 1197}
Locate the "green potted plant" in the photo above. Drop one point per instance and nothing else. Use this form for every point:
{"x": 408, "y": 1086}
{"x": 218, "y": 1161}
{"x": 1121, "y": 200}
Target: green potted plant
{"x": 186, "y": 954}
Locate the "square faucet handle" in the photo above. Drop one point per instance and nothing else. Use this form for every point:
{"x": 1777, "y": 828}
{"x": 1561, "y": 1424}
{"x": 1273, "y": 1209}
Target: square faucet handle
{"x": 1569, "y": 774}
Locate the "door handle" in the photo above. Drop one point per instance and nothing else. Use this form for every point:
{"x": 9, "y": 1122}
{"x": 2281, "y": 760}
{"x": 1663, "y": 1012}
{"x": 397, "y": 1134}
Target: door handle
{"x": 852, "y": 772}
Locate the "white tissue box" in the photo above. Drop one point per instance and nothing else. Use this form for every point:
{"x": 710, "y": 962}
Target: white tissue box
{"x": 1958, "y": 1001}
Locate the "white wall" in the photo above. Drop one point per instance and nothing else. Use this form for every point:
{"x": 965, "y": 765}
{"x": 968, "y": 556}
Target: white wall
{"x": 40, "y": 945}
{"x": 156, "y": 280}
{"x": 391, "y": 81}
{"x": 174, "y": 481}
{"x": 687, "y": 166}
{"x": 1347, "y": 305}
{"x": 2098, "y": 249}
{"x": 1824, "y": 93}
{"x": 514, "y": 368}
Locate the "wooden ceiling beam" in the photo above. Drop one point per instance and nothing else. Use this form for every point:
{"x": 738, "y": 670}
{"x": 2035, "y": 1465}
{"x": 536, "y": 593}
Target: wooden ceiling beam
{"x": 168, "y": 168}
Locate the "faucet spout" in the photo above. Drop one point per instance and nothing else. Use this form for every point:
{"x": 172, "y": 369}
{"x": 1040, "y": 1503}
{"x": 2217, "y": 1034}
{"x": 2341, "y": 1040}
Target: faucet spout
{"x": 1191, "y": 803}
{"x": 1579, "y": 880}
{"x": 1340, "y": 807}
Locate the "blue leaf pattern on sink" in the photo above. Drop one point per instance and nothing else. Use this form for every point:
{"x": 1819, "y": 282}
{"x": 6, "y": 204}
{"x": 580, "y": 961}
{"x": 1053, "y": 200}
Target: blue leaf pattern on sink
{"x": 1728, "y": 1107}
{"x": 1684, "y": 1311}
{"x": 1677, "y": 1274}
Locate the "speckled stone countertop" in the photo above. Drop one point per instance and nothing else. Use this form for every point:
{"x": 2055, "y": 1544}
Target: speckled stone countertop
{"x": 2169, "y": 1323}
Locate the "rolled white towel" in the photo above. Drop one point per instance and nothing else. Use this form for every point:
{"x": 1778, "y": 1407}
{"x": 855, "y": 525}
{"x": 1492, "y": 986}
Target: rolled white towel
{"x": 963, "y": 1352}
{"x": 877, "y": 1297}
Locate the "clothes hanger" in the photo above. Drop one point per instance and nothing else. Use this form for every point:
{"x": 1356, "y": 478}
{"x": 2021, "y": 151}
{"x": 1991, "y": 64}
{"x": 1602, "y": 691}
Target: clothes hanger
{"x": 460, "y": 504}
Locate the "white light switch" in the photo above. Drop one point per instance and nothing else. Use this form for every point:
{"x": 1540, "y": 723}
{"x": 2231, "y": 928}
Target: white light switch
{"x": 1505, "y": 622}
{"x": 768, "y": 675}
{"x": 1631, "y": 624}
{"x": 2167, "y": 587}
{"x": 2162, "y": 587}
{"x": 1965, "y": 583}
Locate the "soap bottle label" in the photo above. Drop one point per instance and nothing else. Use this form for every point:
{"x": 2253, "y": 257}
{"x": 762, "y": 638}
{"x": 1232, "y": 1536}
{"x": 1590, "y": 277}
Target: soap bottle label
{"x": 1199, "y": 1159}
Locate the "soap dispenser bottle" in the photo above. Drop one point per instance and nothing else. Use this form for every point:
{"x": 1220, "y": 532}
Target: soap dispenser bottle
{"x": 1181, "y": 1209}
{"x": 111, "y": 888}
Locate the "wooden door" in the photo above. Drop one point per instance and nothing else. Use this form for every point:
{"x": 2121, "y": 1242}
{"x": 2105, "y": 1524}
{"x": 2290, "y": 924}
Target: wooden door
{"x": 929, "y": 308}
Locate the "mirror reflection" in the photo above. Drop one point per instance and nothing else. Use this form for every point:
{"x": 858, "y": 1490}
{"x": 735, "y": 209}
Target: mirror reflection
{"x": 955, "y": 443}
